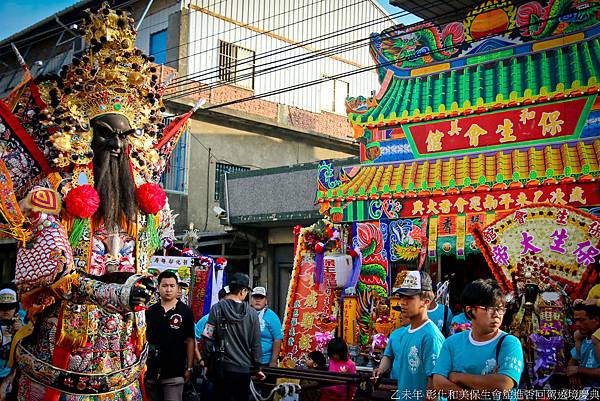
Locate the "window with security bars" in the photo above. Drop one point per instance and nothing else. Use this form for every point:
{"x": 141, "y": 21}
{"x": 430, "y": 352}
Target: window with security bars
{"x": 236, "y": 65}
{"x": 220, "y": 171}
{"x": 174, "y": 178}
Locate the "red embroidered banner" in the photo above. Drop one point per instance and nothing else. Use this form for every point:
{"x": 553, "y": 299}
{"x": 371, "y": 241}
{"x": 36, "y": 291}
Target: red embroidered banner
{"x": 578, "y": 195}
{"x": 552, "y": 246}
{"x": 308, "y": 302}
{"x": 529, "y": 124}
{"x": 498, "y": 201}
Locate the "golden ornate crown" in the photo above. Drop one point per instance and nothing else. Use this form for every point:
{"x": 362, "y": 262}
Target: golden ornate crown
{"x": 111, "y": 77}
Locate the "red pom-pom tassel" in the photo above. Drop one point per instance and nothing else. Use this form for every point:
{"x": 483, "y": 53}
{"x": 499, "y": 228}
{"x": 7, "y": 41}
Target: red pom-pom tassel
{"x": 82, "y": 201}
{"x": 151, "y": 198}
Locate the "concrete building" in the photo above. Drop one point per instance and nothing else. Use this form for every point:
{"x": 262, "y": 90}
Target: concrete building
{"x": 223, "y": 51}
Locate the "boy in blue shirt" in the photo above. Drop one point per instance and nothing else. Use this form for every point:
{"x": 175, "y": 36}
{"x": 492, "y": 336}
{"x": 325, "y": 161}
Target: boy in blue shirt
{"x": 441, "y": 316}
{"x": 484, "y": 358}
{"x": 585, "y": 367}
{"x": 416, "y": 350}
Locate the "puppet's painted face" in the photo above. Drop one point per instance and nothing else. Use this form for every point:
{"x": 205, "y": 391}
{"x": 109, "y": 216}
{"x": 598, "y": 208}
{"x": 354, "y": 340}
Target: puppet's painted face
{"x": 112, "y": 173}
{"x": 110, "y": 134}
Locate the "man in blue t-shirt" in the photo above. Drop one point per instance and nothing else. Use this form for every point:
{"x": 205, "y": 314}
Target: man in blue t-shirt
{"x": 417, "y": 349}
{"x": 585, "y": 367}
{"x": 271, "y": 333}
{"x": 441, "y": 316}
{"x": 485, "y": 357}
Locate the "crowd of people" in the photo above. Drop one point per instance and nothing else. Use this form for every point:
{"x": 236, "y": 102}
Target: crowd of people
{"x": 475, "y": 359}
{"x": 229, "y": 345}
{"x": 432, "y": 355}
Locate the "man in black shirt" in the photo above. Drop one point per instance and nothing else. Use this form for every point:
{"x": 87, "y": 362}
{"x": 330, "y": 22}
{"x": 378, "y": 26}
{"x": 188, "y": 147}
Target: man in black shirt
{"x": 170, "y": 332}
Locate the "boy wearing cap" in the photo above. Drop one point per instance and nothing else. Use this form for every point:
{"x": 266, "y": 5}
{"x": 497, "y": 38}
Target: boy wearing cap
{"x": 271, "y": 334}
{"x": 417, "y": 350}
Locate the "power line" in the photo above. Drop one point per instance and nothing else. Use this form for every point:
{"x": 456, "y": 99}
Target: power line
{"x": 305, "y": 59}
{"x": 236, "y": 27}
{"x": 193, "y": 77}
{"x": 228, "y": 30}
{"x": 270, "y": 17}
{"x": 271, "y": 30}
{"x": 282, "y": 49}
{"x": 332, "y": 50}
{"x": 57, "y": 29}
{"x": 364, "y": 69}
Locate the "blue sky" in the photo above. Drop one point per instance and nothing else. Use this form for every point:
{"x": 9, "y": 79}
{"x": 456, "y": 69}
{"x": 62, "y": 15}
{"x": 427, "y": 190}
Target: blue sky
{"x": 399, "y": 13}
{"x": 19, "y": 14}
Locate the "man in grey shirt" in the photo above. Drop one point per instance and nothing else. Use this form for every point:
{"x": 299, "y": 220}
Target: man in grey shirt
{"x": 235, "y": 325}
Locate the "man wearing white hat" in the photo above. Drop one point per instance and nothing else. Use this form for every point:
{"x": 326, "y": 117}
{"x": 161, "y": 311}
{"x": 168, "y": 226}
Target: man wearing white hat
{"x": 271, "y": 334}
{"x": 10, "y": 323}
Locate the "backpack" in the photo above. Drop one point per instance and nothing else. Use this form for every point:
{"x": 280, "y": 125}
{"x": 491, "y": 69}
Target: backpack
{"x": 213, "y": 352}
{"x": 525, "y": 371}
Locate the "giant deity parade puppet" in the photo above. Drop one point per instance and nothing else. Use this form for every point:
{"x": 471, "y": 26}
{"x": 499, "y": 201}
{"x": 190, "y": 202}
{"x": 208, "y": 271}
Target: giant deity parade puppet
{"x": 81, "y": 157}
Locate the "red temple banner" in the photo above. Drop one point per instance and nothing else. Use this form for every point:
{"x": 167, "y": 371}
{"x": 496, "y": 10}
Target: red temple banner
{"x": 308, "y": 303}
{"x": 531, "y": 124}
{"x": 578, "y": 195}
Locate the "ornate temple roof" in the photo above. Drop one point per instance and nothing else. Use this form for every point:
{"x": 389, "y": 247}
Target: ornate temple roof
{"x": 539, "y": 165}
{"x": 486, "y": 82}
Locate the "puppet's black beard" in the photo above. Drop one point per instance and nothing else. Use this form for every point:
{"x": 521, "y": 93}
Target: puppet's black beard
{"x": 115, "y": 187}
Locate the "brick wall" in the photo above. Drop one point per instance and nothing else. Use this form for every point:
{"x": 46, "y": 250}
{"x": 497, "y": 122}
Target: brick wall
{"x": 323, "y": 123}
